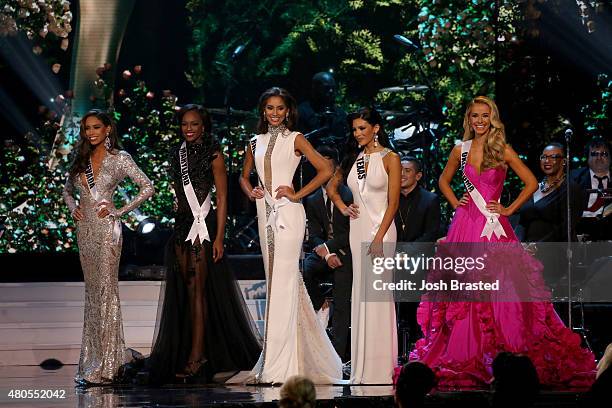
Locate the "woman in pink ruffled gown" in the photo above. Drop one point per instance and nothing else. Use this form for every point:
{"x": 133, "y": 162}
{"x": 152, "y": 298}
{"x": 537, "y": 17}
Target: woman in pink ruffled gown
{"x": 461, "y": 339}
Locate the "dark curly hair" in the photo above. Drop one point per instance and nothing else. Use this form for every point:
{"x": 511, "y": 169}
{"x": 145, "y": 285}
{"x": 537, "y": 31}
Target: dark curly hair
{"x": 292, "y": 117}
{"x": 370, "y": 115}
{"x": 83, "y": 149}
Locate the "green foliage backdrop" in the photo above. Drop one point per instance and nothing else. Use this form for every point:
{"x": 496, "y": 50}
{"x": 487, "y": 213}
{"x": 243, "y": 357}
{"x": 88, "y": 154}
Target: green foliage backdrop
{"x": 466, "y": 48}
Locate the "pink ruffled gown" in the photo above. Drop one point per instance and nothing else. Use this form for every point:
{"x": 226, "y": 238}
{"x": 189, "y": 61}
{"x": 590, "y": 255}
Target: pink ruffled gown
{"x": 461, "y": 339}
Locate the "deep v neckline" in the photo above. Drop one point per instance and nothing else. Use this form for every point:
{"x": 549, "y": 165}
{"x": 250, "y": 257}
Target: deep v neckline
{"x": 95, "y": 176}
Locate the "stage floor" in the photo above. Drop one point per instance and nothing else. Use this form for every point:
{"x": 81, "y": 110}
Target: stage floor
{"x": 59, "y": 384}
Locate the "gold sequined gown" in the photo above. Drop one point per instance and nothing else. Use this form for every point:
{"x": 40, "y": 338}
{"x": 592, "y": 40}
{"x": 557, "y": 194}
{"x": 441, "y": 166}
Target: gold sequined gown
{"x": 102, "y": 347}
{"x": 295, "y": 342}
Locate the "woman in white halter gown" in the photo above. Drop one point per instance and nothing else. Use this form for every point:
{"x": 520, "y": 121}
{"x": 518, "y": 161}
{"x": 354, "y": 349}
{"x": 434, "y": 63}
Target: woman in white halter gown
{"x": 295, "y": 342}
{"x": 372, "y": 172}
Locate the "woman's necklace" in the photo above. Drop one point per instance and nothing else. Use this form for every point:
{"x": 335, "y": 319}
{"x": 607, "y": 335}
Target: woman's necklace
{"x": 545, "y": 186}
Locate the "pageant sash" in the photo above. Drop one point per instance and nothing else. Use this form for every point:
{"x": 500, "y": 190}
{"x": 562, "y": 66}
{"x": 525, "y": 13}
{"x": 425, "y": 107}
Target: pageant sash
{"x": 275, "y": 219}
{"x": 492, "y": 226}
{"x": 361, "y": 172}
{"x": 91, "y": 184}
{"x": 361, "y": 183}
{"x": 199, "y": 212}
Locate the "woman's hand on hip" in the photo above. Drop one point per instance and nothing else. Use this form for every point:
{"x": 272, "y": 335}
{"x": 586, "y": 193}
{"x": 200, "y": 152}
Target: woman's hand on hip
{"x": 286, "y": 191}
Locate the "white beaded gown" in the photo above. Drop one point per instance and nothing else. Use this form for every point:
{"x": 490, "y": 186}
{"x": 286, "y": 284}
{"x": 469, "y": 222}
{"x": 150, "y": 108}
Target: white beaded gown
{"x": 99, "y": 240}
{"x": 295, "y": 342}
{"x": 373, "y": 326}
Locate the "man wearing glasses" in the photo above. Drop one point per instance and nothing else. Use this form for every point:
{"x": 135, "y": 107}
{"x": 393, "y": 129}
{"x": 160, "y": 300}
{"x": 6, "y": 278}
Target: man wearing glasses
{"x": 596, "y": 216}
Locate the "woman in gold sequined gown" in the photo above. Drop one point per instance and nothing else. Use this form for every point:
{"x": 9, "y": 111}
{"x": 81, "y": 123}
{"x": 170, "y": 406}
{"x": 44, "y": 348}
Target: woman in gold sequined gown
{"x": 295, "y": 342}
{"x": 97, "y": 170}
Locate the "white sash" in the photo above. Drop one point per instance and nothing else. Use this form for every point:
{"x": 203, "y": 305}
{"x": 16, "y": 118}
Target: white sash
{"x": 361, "y": 172}
{"x": 89, "y": 175}
{"x": 275, "y": 219}
{"x": 361, "y": 183}
{"x": 91, "y": 184}
{"x": 199, "y": 212}
{"x": 492, "y": 225}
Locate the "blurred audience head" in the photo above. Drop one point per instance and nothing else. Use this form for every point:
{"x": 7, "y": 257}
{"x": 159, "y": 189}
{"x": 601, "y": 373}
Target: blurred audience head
{"x": 415, "y": 381}
{"x": 298, "y": 392}
{"x": 516, "y": 382}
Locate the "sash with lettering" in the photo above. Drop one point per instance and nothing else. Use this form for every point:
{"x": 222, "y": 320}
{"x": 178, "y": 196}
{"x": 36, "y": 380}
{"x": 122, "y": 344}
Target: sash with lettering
{"x": 492, "y": 225}
{"x": 361, "y": 183}
{"x": 91, "y": 184}
{"x": 199, "y": 212}
{"x": 274, "y": 219}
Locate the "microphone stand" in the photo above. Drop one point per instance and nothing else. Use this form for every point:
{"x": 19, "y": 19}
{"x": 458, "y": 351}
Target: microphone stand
{"x": 568, "y": 250}
{"x": 569, "y": 253}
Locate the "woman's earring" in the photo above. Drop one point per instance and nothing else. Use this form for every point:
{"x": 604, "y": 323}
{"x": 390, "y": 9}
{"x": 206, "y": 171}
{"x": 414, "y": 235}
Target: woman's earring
{"x": 375, "y": 139}
{"x": 107, "y": 143}
{"x": 264, "y": 118}
{"x": 286, "y": 118}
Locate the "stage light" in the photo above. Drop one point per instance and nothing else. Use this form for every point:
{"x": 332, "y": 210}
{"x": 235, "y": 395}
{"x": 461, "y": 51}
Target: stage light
{"x": 32, "y": 69}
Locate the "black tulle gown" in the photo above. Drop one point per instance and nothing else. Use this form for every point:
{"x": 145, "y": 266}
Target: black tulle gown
{"x": 231, "y": 341}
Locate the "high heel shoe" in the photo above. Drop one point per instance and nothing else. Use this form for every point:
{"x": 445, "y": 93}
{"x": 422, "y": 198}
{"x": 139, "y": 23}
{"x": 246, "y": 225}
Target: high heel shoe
{"x": 193, "y": 369}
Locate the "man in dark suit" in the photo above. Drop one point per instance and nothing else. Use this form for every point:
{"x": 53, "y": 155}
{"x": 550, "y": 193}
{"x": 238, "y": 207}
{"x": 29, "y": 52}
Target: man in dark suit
{"x": 328, "y": 239}
{"x": 417, "y": 221}
{"x": 418, "y": 216}
{"x": 596, "y": 218}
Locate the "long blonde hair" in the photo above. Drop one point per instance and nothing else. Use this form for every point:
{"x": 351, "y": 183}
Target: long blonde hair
{"x": 495, "y": 140}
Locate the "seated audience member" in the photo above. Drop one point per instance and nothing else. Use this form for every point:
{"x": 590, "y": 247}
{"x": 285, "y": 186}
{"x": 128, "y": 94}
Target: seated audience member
{"x": 515, "y": 381}
{"x": 544, "y": 217}
{"x": 298, "y": 392}
{"x": 417, "y": 220}
{"x": 418, "y": 216}
{"x": 596, "y": 221}
{"x": 328, "y": 239}
{"x": 415, "y": 381}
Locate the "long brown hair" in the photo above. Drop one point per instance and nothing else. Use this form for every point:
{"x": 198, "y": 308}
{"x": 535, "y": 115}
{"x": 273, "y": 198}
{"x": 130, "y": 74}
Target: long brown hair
{"x": 292, "y": 117}
{"x": 495, "y": 140}
{"x": 83, "y": 149}
{"x": 352, "y": 149}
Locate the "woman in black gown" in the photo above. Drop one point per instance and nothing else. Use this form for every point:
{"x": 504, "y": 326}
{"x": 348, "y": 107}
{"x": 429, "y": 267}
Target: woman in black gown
{"x": 203, "y": 325}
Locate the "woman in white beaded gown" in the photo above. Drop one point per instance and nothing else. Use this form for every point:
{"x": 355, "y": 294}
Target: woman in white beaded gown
{"x": 295, "y": 342}
{"x": 373, "y": 173}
